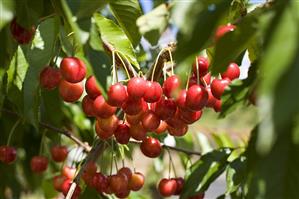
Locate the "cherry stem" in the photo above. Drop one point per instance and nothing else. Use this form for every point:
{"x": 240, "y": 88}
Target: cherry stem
{"x": 124, "y": 65}
{"x": 164, "y": 71}
{"x": 42, "y": 142}
{"x": 12, "y": 131}
{"x": 197, "y": 70}
{"x": 169, "y": 166}
{"x": 204, "y": 82}
{"x": 171, "y": 61}
{"x": 188, "y": 78}
{"x": 113, "y": 68}
{"x": 156, "y": 62}
{"x": 71, "y": 191}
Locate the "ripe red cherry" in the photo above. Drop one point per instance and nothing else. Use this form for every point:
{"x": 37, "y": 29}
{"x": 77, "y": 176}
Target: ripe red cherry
{"x": 108, "y": 124}
{"x": 192, "y": 80}
{"x": 58, "y": 181}
{"x": 136, "y": 182}
{"x": 134, "y": 119}
{"x": 122, "y": 133}
{"x": 180, "y": 183}
{"x": 102, "y": 109}
{"x": 162, "y": 127}
{"x": 87, "y": 106}
{"x": 118, "y": 183}
{"x": 8, "y": 154}
{"x": 197, "y": 97}
{"x": 66, "y": 185}
{"x": 100, "y": 182}
{"x": 133, "y": 107}
{"x": 211, "y": 98}
{"x": 222, "y": 30}
{"x": 88, "y": 173}
{"x": 20, "y": 34}
{"x": 70, "y": 92}
{"x": 137, "y": 132}
{"x": 124, "y": 194}
{"x": 150, "y": 121}
{"x": 189, "y": 117}
{"x": 104, "y": 135}
{"x": 126, "y": 171}
{"x": 171, "y": 86}
{"x": 68, "y": 172}
{"x": 206, "y": 80}
{"x": 117, "y": 95}
{"x": 49, "y": 77}
{"x": 217, "y": 106}
{"x": 232, "y": 72}
{"x": 175, "y": 121}
{"x": 181, "y": 99}
{"x": 177, "y": 131}
{"x": 165, "y": 108}
{"x": 167, "y": 187}
{"x": 39, "y": 164}
{"x": 151, "y": 147}
{"x": 59, "y": 153}
{"x": 198, "y": 196}
{"x": 218, "y": 86}
{"x": 136, "y": 88}
{"x": 72, "y": 69}
{"x": 203, "y": 66}
{"x": 153, "y": 92}
{"x": 92, "y": 88}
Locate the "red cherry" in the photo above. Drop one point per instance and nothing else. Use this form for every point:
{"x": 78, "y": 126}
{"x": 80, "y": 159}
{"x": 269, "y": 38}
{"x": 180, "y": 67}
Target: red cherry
{"x": 192, "y": 80}
{"x": 177, "y": 131}
{"x": 197, "y": 97}
{"x": 124, "y": 194}
{"x": 8, "y": 154}
{"x": 162, "y": 127}
{"x": 68, "y": 172}
{"x": 108, "y": 124}
{"x": 232, "y": 72}
{"x": 104, "y": 135}
{"x": 151, "y": 147}
{"x": 136, "y": 182}
{"x": 126, "y": 171}
{"x": 153, "y": 92}
{"x": 150, "y": 121}
{"x": 138, "y": 132}
{"x": 108, "y": 189}
{"x": 100, "y": 182}
{"x": 218, "y": 86}
{"x": 181, "y": 99}
{"x": 59, "y": 153}
{"x": 39, "y": 164}
{"x": 171, "y": 86}
{"x": 211, "y": 98}
{"x": 117, "y": 95}
{"x": 206, "y": 80}
{"x": 70, "y": 92}
{"x": 189, "y": 117}
{"x": 136, "y": 88}
{"x": 223, "y": 29}
{"x": 133, "y": 107}
{"x": 20, "y": 34}
{"x": 175, "y": 121}
{"x": 180, "y": 183}
{"x": 167, "y": 187}
{"x": 217, "y": 106}
{"x": 88, "y": 173}
{"x": 58, "y": 181}
{"x": 102, "y": 109}
{"x": 92, "y": 88}
{"x": 134, "y": 119}
{"x": 198, "y": 196}
{"x": 118, "y": 183}
{"x": 122, "y": 133}
{"x": 49, "y": 77}
{"x": 203, "y": 66}
{"x": 165, "y": 108}
{"x": 87, "y": 106}
{"x": 66, "y": 185}
{"x": 72, "y": 69}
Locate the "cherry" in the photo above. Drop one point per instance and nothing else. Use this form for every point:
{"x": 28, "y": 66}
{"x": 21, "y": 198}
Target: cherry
{"x": 20, "y": 34}
{"x": 102, "y": 109}
{"x": 117, "y": 95}
{"x": 218, "y": 86}
{"x": 197, "y": 97}
{"x": 181, "y": 99}
{"x": 104, "y": 135}
{"x": 8, "y": 154}
{"x": 89, "y": 172}
{"x": 171, "y": 86}
{"x": 39, "y": 164}
{"x": 136, "y": 182}
{"x": 72, "y": 69}
{"x": 192, "y": 80}
{"x": 69, "y": 172}
{"x": 70, "y": 92}
{"x": 58, "y": 181}
{"x": 211, "y": 98}
{"x": 124, "y": 194}
{"x": 177, "y": 131}
{"x": 162, "y": 127}
{"x": 108, "y": 189}
{"x": 92, "y": 88}
{"x": 167, "y": 187}
{"x": 100, "y": 182}
{"x": 206, "y": 80}
{"x": 153, "y": 92}
{"x": 108, "y": 124}
{"x": 122, "y": 133}
{"x": 189, "y": 117}
{"x": 180, "y": 183}
{"x": 49, "y": 77}
{"x": 126, "y": 171}
{"x": 133, "y": 107}
{"x": 150, "y": 121}
{"x": 66, "y": 185}
{"x": 203, "y": 66}
{"x": 217, "y": 106}
{"x": 165, "y": 108}
{"x": 118, "y": 183}
{"x": 198, "y": 196}
{"x": 136, "y": 88}
{"x": 134, "y": 119}
{"x": 87, "y": 106}
{"x": 223, "y": 29}
{"x": 138, "y": 132}
{"x": 151, "y": 147}
{"x": 232, "y": 72}
{"x": 59, "y": 153}
{"x": 175, "y": 121}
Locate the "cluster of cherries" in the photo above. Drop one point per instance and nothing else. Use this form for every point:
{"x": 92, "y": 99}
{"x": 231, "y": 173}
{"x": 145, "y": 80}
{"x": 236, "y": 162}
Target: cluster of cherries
{"x": 21, "y": 34}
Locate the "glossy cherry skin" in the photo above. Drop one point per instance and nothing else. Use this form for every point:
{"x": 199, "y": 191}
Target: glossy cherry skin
{"x": 217, "y": 106}
{"x": 151, "y": 147}
{"x": 72, "y": 69}
{"x": 20, "y": 34}
{"x": 138, "y": 132}
{"x": 108, "y": 124}
{"x": 150, "y": 121}
{"x": 134, "y": 119}
{"x": 162, "y": 127}
{"x": 165, "y": 108}
{"x": 178, "y": 131}
{"x": 124, "y": 194}
{"x": 223, "y": 29}
{"x": 100, "y": 182}
{"x": 118, "y": 183}
{"x": 206, "y": 80}
{"x": 39, "y": 164}
{"x": 198, "y": 196}
{"x": 180, "y": 183}
{"x": 49, "y": 78}
{"x": 104, "y": 135}
{"x": 197, "y": 97}
{"x": 136, "y": 182}
{"x": 70, "y": 92}
{"x": 211, "y": 98}
{"x": 8, "y": 154}
{"x": 59, "y": 153}
{"x": 133, "y": 107}
{"x": 232, "y": 72}
{"x": 68, "y": 172}
{"x": 66, "y": 187}
{"x": 175, "y": 121}
{"x": 122, "y": 133}
{"x": 189, "y": 117}
{"x": 126, "y": 171}
{"x": 136, "y": 88}
{"x": 153, "y": 92}
{"x": 92, "y": 88}
{"x": 167, "y": 187}
{"x": 89, "y": 172}
{"x": 58, "y": 181}
{"x": 218, "y": 86}
{"x": 203, "y": 66}
{"x": 181, "y": 99}
{"x": 117, "y": 95}
{"x": 87, "y": 106}
{"x": 102, "y": 109}
{"x": 171, "y": 86}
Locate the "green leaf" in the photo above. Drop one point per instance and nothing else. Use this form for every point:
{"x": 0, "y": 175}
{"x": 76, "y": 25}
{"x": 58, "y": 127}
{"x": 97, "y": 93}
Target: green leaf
{"x": 126, "y": 13}
{"x": 48, "y": 189}
{"x": 7, "y": 12}
{"x": 223, "y": 140}
{"x": 113, "y": 35}
{"x": 88, "y": 7}
{"x": 235, "y": 174}
{"x": 204, "y": 172}
{"x": 154, "y": 23}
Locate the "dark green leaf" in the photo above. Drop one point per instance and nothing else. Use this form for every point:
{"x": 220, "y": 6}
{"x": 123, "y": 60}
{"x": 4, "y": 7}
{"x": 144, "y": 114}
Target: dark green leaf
{"x": 88, "y": 7}
{"x": 235, "y": 174}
